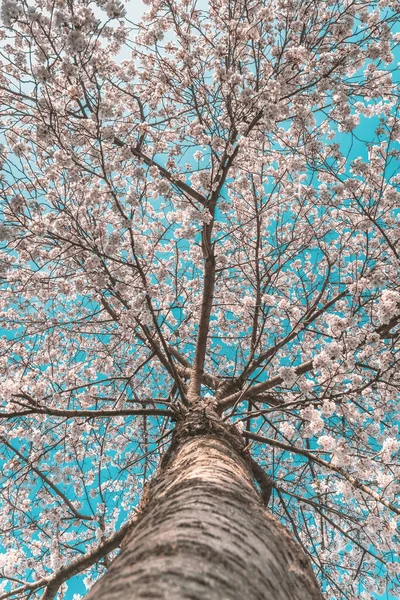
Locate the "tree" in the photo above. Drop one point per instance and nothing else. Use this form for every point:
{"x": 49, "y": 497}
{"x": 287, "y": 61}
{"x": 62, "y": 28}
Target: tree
{"x": 201, "y": 301}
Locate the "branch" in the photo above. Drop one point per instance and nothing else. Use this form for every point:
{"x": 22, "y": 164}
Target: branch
{"x": 263, "y": 481}
{"x": 209, "y": 380}
{"x": 209, "y": 273}
{"x": 274, "y": 349}
{"x": 44, "y": 478}
{"x": 268, "y": 399}
{"x": 184, "y": 187}
{"x": 384, "y": 330}
{"x": 320, "y": 509}
{"x": 53, "y": 582}
{"x": 255, "y": 390}
{"x": 204, "y": 326}
{"x": 323, "y": 463}
{"x": 166, "y": 361}
{"x": 184, "y": 371}
{"x": 92, "y": 414}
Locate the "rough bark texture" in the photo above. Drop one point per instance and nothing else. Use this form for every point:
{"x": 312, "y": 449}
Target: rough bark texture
{"x": 203, "y": 533}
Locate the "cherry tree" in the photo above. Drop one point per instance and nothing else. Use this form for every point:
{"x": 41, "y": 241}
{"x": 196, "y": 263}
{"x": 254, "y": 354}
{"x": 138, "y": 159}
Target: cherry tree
{"x": 200, "y": 299}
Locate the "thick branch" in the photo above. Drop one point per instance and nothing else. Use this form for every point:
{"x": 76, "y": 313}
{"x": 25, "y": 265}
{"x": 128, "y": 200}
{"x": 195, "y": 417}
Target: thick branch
{"x": 92, "y": 414}
{"x": 384, "y": 330}
{"x": 204, "y": 326}
{"x": 263, "y": 481}
{"x": 255, "y": 390}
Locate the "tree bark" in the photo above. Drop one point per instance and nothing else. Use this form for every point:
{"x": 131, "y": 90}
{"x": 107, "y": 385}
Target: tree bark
{"x": 203, "y": 533}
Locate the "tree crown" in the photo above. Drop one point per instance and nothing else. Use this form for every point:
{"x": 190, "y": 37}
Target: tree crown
{"x": 200, "y": 208}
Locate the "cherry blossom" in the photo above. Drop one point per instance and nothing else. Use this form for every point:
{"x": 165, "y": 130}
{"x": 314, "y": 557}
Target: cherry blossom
{"x": 200, "y": 208}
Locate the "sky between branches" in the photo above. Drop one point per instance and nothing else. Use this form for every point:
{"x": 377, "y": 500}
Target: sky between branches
{"x": 314, "y": 229}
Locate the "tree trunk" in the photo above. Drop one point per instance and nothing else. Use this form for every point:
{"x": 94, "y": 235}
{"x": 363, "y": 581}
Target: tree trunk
{"x": 202, "y": 532}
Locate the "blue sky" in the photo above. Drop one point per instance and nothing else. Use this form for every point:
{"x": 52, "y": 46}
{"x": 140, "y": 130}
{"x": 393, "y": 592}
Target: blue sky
{"x": 136, "y": 8}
